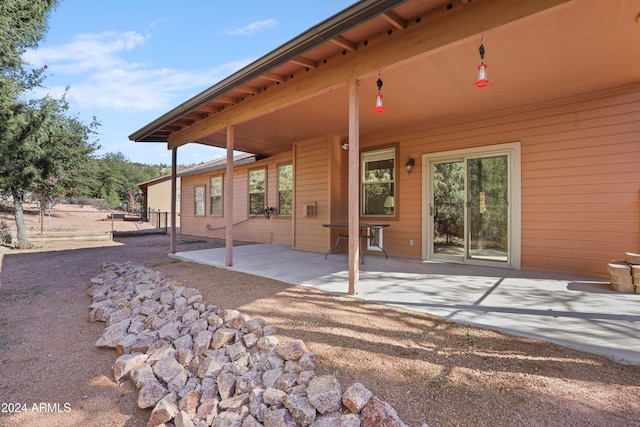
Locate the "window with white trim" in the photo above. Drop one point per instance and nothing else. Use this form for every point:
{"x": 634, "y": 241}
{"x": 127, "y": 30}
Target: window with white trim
{"x": 199, "y": 200}
{"x": 216, "y": 196}
{"x": 257, "y": 191}
{"x": 285, "y": 189}
{"x": 378, "y": 183}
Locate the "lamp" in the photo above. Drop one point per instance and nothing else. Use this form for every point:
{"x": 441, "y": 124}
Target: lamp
{"x": 379, "y": 108}
{"x": 389, "y": 204}
{"x": 409, "y": 165}
{"x": 482, "y": 69}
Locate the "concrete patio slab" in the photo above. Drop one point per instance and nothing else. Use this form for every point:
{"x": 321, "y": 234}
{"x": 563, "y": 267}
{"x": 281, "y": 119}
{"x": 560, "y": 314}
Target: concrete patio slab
{"x": 576, "y": 312}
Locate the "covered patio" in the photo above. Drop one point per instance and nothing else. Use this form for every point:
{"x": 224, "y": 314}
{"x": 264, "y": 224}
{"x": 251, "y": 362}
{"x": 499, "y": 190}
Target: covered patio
{"x": 567, "y": 111}
{"x": 573, "y": 311}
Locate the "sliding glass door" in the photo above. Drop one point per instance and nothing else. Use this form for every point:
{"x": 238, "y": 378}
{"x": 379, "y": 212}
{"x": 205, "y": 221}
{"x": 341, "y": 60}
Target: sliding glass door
{"x": 469, "y": 210}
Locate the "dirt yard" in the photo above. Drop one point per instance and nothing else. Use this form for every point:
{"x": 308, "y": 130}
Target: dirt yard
{"x": 431, "y": 371}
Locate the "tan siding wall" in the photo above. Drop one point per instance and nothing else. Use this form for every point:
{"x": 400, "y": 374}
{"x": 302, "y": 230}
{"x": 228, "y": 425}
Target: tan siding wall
{"x": 580, "y": 183}
{"x": 247, "y": 228}
{"x": 312, "y": 163}
{"x": 189, "y": 224}
{"x": 580, "y": 179}
{"x": 159, "y": 198}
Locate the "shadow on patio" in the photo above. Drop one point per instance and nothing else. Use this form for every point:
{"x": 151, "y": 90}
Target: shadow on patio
{"x": 576, "y": 312}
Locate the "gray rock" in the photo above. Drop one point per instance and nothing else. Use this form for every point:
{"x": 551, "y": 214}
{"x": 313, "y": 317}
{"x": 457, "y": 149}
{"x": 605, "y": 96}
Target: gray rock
{"x": 124, "y": 345}
{"x": 227, "y": 419}
{"x": 150, "y": 394}
{"x": 118, "y": 316}
{"x": 211, "y": 366}
{"x": 222, "y": 336}
{"x": 214, "y": 321}
{"x": 236, "y": 350}
{"x": 226, "y": 385}
{"x": 273, "y": 396}
{"x": 168, "y": 368}
{"x": 142, "y": 375}
{"x": 325, "y": 394}
{"x": 198, "y": 326}
{"x": 182, "y": 419}
{"x": 164, "y": 411}
{"x": 270, "y": 378}
{"x": 300, "y": 409}
{"x": 189, "y": 403}
{"x": 190, "y": 316}
{"x": 279, "y": 418}
{"x": 250, "y": 339}
{"x": 185, "y": 356}
{"x": 379, "y": 413}
{"x": 143, "y": 343}
{"x": 113, "y": 334}
{"x": 124, "y": 364}
{"x": 208, "y": 410}
{"x": 202, "y": 342}
{"x": 170, "y": 331}
{"x": 185, "y": 341}
{"x": 286, "y": 381}
{"x": 267, "y": 343}
{"x": 292, "y": 350}
{"x": 355, "y": 397}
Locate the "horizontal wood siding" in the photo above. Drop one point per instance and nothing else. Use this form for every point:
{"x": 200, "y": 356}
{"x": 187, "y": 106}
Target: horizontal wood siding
{"x": 248, "y": 228}
{"x": 312, "y": 185}
{"x": 190, "y": 224}
{"x": 580, "y": 178}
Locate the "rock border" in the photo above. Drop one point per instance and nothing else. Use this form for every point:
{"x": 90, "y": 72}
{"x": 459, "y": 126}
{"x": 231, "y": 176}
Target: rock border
{"x": 198, "y": 365}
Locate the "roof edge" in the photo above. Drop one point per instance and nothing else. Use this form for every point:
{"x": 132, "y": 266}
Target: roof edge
{"x": 337, "y": 24}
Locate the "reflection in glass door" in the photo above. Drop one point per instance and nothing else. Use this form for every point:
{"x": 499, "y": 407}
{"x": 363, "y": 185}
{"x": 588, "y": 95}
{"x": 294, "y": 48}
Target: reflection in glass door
{"x": 448, "y": 209}
{"x": 469, "y": 209}
{"x": 488, "y": 208}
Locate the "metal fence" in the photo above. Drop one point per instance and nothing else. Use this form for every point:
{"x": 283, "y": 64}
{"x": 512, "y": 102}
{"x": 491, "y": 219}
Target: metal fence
{"x": 157, "y": 218}
{"x": 84, "y": 221}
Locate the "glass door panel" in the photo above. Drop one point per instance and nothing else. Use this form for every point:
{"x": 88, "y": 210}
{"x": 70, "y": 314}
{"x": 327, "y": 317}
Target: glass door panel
{"x": 448, "y": 210}
{"x": 488, "y": 208}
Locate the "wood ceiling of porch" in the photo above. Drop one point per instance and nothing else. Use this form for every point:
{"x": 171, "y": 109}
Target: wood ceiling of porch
{"x": 577, "y": 47}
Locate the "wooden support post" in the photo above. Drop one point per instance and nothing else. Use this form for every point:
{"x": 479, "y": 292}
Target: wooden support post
{"x": 228, "y": 196}
{"x": 354, "y": 184}
{"x": 174, "y": 173}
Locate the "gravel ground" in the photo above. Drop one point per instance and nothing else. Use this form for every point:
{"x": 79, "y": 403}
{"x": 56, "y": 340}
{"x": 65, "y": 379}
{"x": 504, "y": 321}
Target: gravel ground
{"x": 430, "y": 370}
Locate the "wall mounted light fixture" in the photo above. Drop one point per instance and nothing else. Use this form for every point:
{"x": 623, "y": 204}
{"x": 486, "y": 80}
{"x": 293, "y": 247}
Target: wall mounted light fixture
{"x": 379, "y": 108}
{"x": 409, "y": 165}
{"x": 482, "y": 69}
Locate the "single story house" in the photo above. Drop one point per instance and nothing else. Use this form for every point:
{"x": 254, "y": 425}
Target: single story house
{"x": 485, "y": 132}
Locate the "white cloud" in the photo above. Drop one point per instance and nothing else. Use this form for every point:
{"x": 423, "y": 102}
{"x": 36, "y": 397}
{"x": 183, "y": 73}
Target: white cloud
{"x": 86, "y": 52}
{"x": 252, "y": 28}
{"x": 103, "y": 79}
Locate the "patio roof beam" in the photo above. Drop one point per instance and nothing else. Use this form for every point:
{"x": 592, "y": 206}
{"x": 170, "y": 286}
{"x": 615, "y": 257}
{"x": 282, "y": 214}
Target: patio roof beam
{"x": 305, "y": 62}
{"x": 405, "y": 45}
{"x": 274, "y": 77}
{"x": 395, "y": 20}
{"x": 345, "y": 43}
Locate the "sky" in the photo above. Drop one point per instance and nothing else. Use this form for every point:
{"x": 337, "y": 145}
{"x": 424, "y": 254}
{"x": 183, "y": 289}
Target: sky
{"x": 128, "y": 62}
